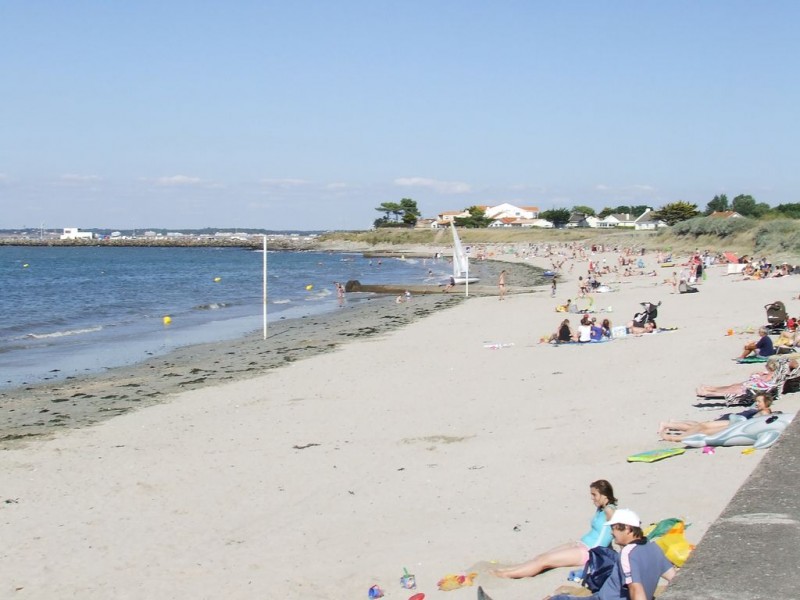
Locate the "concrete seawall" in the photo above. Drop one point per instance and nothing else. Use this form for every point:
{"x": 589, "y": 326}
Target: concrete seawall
{"x": 752, "y": 551}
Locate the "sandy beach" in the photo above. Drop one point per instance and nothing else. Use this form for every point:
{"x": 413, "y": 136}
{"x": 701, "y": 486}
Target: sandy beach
{"x": 419, "y": 447}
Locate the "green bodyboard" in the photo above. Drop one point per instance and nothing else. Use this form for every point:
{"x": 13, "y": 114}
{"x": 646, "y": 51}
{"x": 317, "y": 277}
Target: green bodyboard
{"x": 654, "y": 455}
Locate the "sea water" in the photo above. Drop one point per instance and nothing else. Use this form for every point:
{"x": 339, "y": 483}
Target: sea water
{"x": 70, "y": 310}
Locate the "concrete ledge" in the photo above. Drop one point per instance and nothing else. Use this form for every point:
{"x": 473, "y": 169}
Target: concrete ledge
{"x": 753, "y": 550}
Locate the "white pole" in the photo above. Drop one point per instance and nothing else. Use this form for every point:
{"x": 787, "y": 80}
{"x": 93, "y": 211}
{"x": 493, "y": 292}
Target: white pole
{"x": 466, "y": 264}
{"x": 264, "y": 278}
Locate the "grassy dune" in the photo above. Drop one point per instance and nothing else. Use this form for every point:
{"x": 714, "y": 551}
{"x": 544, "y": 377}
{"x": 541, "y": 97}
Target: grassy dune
{"x": 777, "y": 239}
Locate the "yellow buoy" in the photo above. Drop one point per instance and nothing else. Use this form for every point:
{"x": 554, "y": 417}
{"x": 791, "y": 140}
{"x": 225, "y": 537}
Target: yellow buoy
{"x": 217, "y": 279}
{"x": 25, "y": 266}
{"x": 309, "y": 287}
{"x": 167, "y": 320}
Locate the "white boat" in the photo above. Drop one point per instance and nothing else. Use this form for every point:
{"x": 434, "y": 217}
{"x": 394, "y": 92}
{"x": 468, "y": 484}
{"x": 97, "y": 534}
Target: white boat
{"x": 460, "y": 261}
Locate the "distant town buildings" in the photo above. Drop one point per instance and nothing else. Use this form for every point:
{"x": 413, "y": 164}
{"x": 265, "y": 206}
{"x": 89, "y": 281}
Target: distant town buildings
{"x": 73, "y": 233}
{"x": 509, "y": 215}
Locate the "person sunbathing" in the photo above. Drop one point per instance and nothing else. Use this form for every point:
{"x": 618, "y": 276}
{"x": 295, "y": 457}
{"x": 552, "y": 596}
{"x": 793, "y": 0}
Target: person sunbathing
{"x": 676, "y": 431}
{"x": 762, "y": 380}
{"x": 573, "y": 554}
{"x": 634, "y": 329}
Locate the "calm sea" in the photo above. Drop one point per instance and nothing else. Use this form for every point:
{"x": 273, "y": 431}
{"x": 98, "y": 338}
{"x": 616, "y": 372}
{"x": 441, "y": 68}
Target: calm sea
{"x": 77, "y": 310}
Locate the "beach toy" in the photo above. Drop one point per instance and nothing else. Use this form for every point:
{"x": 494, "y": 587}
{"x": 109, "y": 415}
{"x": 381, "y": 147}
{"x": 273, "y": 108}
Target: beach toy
{"x": 708, "y": 450}
{"x": 217, "y": 279}
{"x": 749, "y": 450}
{"x": 167, "y": 320}
{"x": 419, "y": 596}
{"x": 655, "y": 455}
{"x": 375, "y": 592}
{"x": 730, "y": 332}
{"x": 408, "y": 581}
{"x": 675, "y": 545}
{"x": 453, "y": 582}
{"x": 758, "y": 432}
{"x": 309, "y": 287}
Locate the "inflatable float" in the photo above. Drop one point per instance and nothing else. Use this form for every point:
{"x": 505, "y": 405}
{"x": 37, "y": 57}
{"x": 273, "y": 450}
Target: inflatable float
{"x": 759, "y": 432}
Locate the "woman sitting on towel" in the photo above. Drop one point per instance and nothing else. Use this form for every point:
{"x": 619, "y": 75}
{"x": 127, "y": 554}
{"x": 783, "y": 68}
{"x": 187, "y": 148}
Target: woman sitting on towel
{"x": 606, "y": 328}
{"x": 675, "y": 431}
{"x": 573, "y": 554}
{"x": 564, "y": 334}
{"x": 760, "y": 381}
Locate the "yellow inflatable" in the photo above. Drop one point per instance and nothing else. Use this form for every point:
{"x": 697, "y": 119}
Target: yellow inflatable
{"x": 675, "y": 545}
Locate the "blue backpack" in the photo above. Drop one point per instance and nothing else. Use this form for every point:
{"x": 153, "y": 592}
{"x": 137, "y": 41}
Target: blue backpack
{"x": 599, "y": 566}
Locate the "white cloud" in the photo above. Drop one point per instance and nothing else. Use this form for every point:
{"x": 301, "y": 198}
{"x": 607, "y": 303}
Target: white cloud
{"x": 178, "y": 180}
{"x": 642, "y": 188}
{"x": 442, "y": 187}
{"x": 284, "y": 183}
{"x": 601, "y": 187}
{"x": 73, "y": 178}
{"x": 336, "y": 186}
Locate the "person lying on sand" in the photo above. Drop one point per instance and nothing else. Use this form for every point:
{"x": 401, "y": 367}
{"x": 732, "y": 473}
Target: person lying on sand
{"x": 636, "y": 330}
{"x": 573, "y": 554}
{"x": 675, "y": 431}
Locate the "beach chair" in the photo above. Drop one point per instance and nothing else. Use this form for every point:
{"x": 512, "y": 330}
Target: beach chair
{"x": 774, "y": 386}
{"x": 776, "y": 316}
{"x": 685, "y": 288}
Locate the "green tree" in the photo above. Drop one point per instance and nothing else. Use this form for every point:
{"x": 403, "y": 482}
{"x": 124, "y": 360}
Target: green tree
{"x": 586, "y": 210}
{"x": 677, "y": 211}
{"x": 638, "y": 210}
{"x": 605, "y": 212}
{"x": 747, "y": 206}
{"x": 410, "y": 211}
{"x": 477, "y": 219}
{"x": 557, "y": 216}
{"x": 719, "y": 203}
{"x": 791, "y": 211}
{"x": 390, "y": 208}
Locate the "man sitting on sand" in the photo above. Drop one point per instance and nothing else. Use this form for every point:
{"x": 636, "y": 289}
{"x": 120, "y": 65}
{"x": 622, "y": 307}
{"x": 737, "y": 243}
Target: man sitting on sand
{"x": 637, "y": 571}
{"x": 762, "y": 348}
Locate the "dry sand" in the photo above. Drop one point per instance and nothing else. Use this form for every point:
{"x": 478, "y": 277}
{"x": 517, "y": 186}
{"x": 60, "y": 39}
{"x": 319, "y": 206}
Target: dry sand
{"x": 419, "y": 448}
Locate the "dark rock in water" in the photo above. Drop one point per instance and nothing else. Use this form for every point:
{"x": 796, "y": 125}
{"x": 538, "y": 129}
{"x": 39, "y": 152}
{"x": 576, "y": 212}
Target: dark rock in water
{"x": 352, "y": 286}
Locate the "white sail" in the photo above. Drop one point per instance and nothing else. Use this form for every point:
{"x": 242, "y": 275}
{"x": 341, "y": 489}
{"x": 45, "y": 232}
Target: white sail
{"x": 460, "y": 260}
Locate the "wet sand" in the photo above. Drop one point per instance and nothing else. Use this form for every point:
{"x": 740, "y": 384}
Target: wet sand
{"x": 38, "y": 410}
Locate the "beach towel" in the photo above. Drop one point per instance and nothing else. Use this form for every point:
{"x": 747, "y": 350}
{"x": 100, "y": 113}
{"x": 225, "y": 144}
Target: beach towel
{"x": 752, "y": 359}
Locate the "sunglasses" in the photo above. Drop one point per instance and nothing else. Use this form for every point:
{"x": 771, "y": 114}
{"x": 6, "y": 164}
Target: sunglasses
{"x": 618, "y": 527}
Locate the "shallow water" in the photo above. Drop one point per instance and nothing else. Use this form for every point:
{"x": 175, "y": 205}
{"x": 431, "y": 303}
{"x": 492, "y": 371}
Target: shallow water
{"x": 70, "y": 310}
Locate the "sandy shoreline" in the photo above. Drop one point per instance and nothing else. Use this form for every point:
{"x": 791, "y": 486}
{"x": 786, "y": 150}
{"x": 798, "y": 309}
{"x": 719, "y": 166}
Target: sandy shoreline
{"x": 420, "y": 448}
{"x": 35, "y": 410}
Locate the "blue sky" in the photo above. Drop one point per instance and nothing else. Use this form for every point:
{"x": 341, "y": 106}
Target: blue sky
{"x": 309, "y": 114}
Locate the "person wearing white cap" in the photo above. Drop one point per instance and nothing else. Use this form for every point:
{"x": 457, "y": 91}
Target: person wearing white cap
{"x": 641, "y": 564}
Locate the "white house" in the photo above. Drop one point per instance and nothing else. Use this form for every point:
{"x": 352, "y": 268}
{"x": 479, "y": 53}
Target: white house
{"x": 449, "y": 216}
{"x": 579, "y": 219}
{"x": 506, "y": 210}
{"x": 624, "y": 220}
{"x": 426, "y": 224}
{"x": 72, "y": 233}
{"x": 648, "y": 221}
